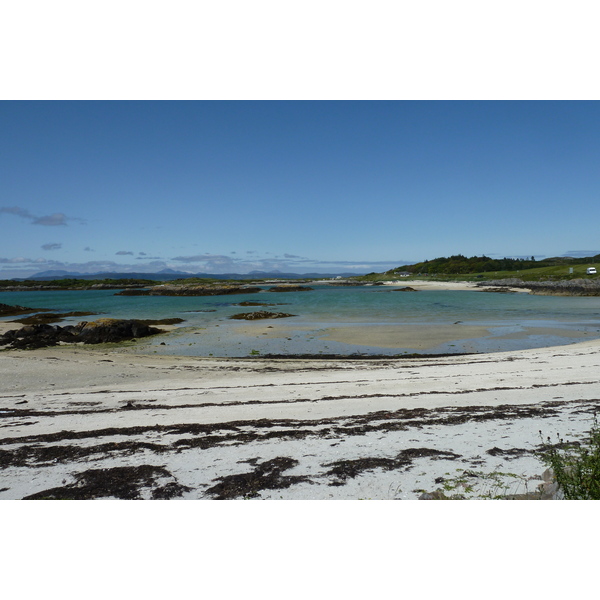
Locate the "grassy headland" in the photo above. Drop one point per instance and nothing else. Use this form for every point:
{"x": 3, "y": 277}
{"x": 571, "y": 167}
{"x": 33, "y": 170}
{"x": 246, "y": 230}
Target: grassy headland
{"x": 483, "y": 268}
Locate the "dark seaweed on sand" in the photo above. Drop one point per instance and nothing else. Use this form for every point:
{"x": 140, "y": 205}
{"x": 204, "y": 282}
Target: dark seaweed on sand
{"x": 123, "y": 483}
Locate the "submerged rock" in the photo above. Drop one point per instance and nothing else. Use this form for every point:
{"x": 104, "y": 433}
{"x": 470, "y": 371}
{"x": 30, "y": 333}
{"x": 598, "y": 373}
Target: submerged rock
{"x": 170, "y": 321}
{"x": 290, "y": 288}
{"x": 260, "y": 314}
{"x": 261, "y": 303}
{"x": 46, "y": 318}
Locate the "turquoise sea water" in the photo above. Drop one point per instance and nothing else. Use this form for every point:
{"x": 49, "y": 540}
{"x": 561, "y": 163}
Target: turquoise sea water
{"x": 514, "y": 321}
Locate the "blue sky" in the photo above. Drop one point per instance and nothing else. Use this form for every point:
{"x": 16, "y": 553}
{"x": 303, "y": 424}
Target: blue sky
{"x": 301, "y": 186}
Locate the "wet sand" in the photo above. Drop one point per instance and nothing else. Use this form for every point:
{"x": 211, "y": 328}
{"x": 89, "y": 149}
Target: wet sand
{"x": 418, "y": 337}
{"x": 403, "y": 337}
{"x": 425, "y": 337}
{"x": 91, "y": 423}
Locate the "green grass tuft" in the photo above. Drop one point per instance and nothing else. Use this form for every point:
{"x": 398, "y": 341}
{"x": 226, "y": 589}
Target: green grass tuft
{"x": 576, "y": 465}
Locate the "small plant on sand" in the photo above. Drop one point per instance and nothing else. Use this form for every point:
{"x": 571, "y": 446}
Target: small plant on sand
{"x": 478, "y": 485}
{"x": 254, "y": 352}
{"x": 576, "y": 465}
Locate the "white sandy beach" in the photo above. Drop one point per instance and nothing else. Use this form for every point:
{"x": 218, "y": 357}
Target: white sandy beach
{"x": 424, "y": 284}
{"x": 197, "y": 428}
{"x": 430, "y": 285}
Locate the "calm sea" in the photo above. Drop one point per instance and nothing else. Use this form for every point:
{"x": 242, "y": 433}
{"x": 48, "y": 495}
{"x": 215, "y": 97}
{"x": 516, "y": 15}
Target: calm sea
{"x": 514, "y": 321}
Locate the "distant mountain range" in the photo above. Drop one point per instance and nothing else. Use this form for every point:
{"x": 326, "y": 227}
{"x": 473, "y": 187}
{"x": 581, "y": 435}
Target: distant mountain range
{"x": 170, "y": 274}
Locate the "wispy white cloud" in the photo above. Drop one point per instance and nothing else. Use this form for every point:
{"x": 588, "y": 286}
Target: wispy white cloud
{"x": 124, "y": 253}
{"x": 197, "y": 258}
{"x": 18, "y": 260}
{"x": 51, "y": 246}
{"x": 216, "y": 262}
{"x": 16, "y": 210}
{"x": 34, "y": 264}
{"x": 360, "y": 264}
{"x": 581, "y": 253}
{"x": 53, "y": 220}
{"x": 291, "y": 256}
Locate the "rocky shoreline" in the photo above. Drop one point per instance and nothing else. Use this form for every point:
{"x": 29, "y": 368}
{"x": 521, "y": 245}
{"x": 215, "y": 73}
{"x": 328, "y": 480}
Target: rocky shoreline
{"x": 208, "y": 290}
{"x": 190, "y": 290}
{"x": 572, "y": 287}
{"x": 58, "y": 288}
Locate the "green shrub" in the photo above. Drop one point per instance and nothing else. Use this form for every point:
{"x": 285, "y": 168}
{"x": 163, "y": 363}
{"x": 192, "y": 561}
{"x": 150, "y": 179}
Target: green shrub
{"x": 576, "y": 466}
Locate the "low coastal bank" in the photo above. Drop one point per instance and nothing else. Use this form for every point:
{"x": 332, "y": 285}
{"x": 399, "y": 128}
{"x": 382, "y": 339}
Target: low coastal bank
{"x": 87, "y": 423}
{"x": 570, "y": 287}
{"x": 566, "y": 287}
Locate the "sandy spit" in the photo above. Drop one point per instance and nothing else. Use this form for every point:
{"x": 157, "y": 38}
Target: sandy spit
{"x": 424, "y": 284}
{"x": 77, "y": 421}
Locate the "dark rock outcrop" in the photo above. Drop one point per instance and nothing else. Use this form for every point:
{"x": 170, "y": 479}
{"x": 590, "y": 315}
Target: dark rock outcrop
{"x": 96, "y": 332}
{"x": 405, "y": 289}
{"x": 35, "y": 336}
{"x": 6, "y": 310}
{"x": 113, "y": 330}
{"x": 499, "y": 290}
